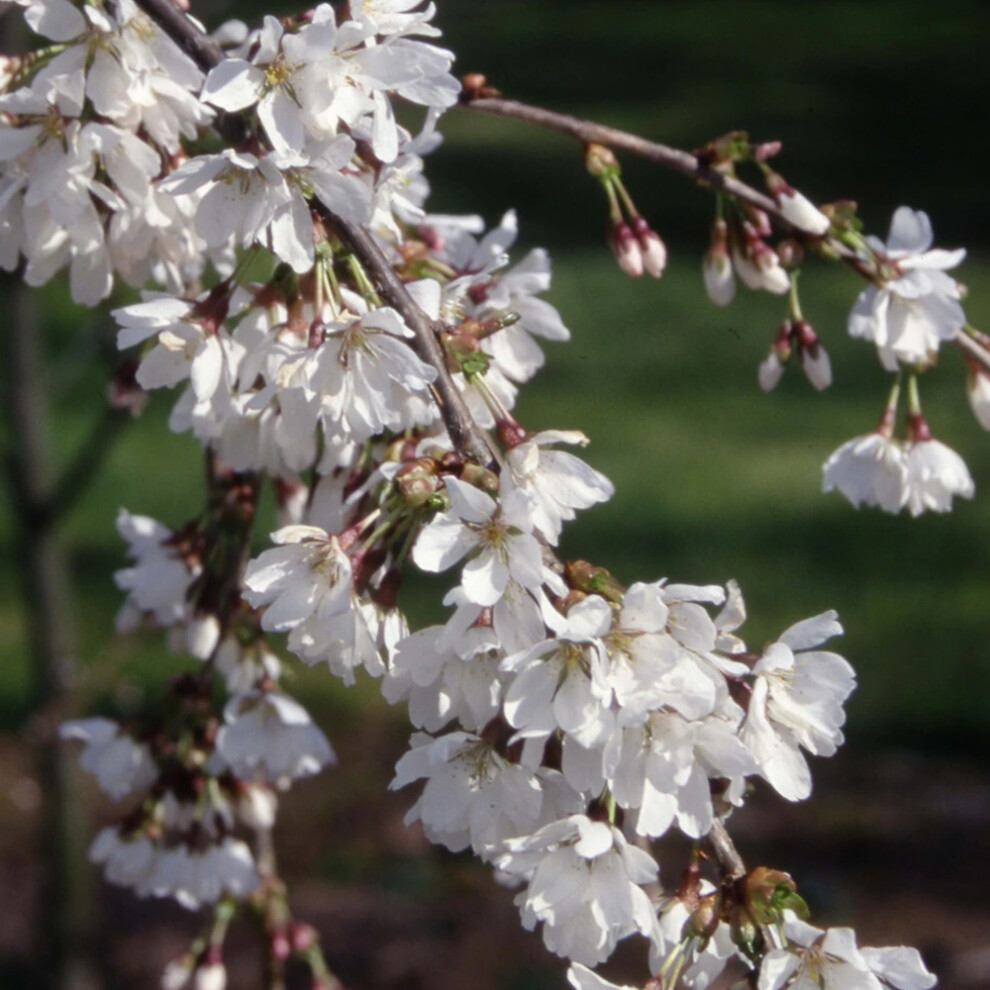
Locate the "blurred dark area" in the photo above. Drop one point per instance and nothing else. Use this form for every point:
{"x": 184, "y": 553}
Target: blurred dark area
{"x": 880, "y": 101}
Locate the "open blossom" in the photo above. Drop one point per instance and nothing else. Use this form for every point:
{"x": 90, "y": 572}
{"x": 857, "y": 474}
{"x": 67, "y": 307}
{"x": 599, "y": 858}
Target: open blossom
{"x": 831, "y": 960}
{"x": 472, "y": 795}
{"x": 559, "y": 482}
{"x": 119, "y": 762}
{"x": 935, "y": 473}
{"x": 270, "y": 733}
{"x": 562, "y": 682}
{"x": 798, "y": 693}
{"x": 305, "y": 586}
{"x": 191, "y": 876}
{"x": 161, "y": 576}
{"x": 584, "y": 882}
{"x": 665, "y": 766}
{"x": 497, "y": 535}
{"x": 917, "y": 305}
{"x": 869, "y": 470}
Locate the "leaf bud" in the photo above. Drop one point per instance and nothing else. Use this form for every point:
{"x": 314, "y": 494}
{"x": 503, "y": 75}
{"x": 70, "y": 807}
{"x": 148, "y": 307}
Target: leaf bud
{"x": 480, "y": 477}
{"x": 586, "y": 577}
{"x": 767, "y": 893}
{"x": 600, "y": 161}
{"x": 704, "y": 919}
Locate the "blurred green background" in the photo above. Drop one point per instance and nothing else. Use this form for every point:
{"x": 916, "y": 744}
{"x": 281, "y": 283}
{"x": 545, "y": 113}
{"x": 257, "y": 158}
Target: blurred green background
{"x": 877, "y": 101}
{"x": 880, "y": 101}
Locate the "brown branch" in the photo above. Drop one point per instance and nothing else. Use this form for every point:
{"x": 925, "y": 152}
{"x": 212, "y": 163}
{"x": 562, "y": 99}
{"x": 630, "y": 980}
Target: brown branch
{"x": 195, "y": 42}
{"x": 723, "y": 849}
{"x": 464, "y": 432}
{"x": 589, "y": 132}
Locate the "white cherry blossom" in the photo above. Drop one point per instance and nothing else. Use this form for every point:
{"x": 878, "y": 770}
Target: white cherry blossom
{"x": 831, "y": 960}
{"x": 869, "y": 470}
{"x": 583, "y": 882}
{"x": 796, "y": 703}
{"x": 268, "y": 731}
{"x": 497, "y": 535}
{"x": 916, "y": 305}
{"x": 935, "y": 474}
{"x": 119, "y": 762}
{"x": 559, "y": 482}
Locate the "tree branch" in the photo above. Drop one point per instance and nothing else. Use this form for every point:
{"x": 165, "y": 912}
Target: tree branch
{"x": 589, "y": 132}
{"x": 727, "y": 857}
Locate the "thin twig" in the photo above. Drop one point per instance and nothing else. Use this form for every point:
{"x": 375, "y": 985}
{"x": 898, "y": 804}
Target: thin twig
{"x": 720, "y": 843}
{"x": 589, "y": 132}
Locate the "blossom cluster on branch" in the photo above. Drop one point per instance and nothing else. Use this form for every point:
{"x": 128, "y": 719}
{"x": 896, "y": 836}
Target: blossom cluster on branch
{"x": 330, "y": 336}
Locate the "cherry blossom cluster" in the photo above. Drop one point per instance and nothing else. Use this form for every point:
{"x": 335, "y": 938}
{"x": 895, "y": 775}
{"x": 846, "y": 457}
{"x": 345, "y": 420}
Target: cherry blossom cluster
{"x": 911, "y": 306}
{"x": 563, "y": 721}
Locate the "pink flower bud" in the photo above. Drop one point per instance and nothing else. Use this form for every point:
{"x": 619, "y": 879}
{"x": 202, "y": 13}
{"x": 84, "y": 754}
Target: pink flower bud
{"x": 720, "y": 283}
{"x": 626, "y": 249}
{"x": 653, "y": 248}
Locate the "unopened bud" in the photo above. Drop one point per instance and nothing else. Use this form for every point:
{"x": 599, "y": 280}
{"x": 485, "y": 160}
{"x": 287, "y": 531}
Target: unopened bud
{"x": 771, "y": 371}
{"x": 474, "y": 86}
{"x": 626, "y": 248}
{"x": 123, "y": 392}
{"x": 814, "y": 358}
{"x": 716, "y": 269}
{"x": 766, "y": 150}
{"x": 256, "y": 807}
{"x": 652, "y": 247}
{"x": 480, "y": 477}
{"x": 211, "y": 974}
{"x": 510, "y": 433}
{"x": 417, "y": 488}
{"x": 758, "y": 221}
{"x": 759, "y": 267}
{"x": 303, "y": 936}
{"x": 704, "y": 919}
{"x": 795, "y": 207}
{"x": 177, "y": 972}
{"x": 978, "y": 394}
{"x": 281, "y": 946}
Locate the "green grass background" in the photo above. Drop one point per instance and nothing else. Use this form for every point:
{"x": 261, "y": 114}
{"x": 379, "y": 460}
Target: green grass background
{"x": 878, "y": 101}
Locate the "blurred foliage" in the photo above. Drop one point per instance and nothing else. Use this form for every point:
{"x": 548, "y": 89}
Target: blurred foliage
{"x": 874, "y": 100}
